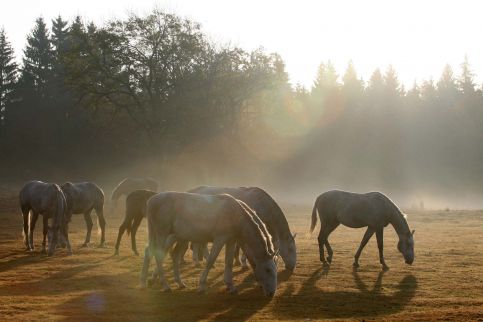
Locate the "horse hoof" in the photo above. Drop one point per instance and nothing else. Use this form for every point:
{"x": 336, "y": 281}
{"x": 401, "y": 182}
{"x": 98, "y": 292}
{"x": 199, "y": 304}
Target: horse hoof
{"x": 116, "y": 252}
{"x": 329, "y": 260}
{"x": 385, "y": 268}
{"x": 202, "y": 290}
{"x": 85, "y": 245}
{"x": 232, "y": 290}
{"x": 102, "y": 245}
{"x": 136, "y": 253}
{"x": 44, "y": 251}
{"x": 150, "y": 283}
{"x": 166, "y": 289}
{"x": 325, "y": 264}
{"x": 181, "y": 285}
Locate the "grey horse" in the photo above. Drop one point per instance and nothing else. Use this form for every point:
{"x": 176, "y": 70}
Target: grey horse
{"x": 182, "y": 217}
{"x": 82, "y": 198}
{"x": 269, "y": 212}
{"x": 128, "y": 185}
{"x": 135, "y": 212}
{"x": 46, "y": 199}
{"x": 372, "y": 210}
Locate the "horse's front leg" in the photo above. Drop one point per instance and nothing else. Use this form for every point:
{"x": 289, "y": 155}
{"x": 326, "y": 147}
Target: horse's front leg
{"x": 33, "y": 221}
{"x": 380, "y": 245}
{"x": 25, "y": 217}
{"x": 45, "y": 231}
{"x": 218, "y": 244}
{"x": 368, "y": 234}
{"x": 228, "y": 276}
{"x": 89, "y": 224}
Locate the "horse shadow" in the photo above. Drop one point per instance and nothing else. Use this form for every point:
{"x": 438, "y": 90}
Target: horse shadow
{"x": 19, "y": 259}
{"x": 365, "y": 302}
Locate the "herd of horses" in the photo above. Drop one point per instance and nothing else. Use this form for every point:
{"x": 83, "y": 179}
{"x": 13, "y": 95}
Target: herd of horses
{"x": 245, "y": 219}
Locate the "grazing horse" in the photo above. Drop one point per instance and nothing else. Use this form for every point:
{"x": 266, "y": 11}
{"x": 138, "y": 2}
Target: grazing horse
{"x": 44, "y": 199}
{"x": 182, "y": 217}
{"x": 372, "y": 210}
{"x": 269, "y": 212}
{"x": 128, "y": 185}
{"x": 135, "y": 212}
{"x": 82, "y": 198}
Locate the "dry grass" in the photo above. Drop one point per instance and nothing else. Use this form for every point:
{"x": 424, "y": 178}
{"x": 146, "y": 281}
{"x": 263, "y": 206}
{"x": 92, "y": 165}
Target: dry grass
{"x": 445, "y": 282}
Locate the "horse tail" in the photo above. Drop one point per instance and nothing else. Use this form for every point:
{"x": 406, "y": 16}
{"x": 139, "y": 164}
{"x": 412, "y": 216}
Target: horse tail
{"x": 314, "y": 216}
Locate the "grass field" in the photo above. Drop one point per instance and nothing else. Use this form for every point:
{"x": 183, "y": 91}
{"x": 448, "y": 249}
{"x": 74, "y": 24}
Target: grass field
{"x": 445, "y": 281}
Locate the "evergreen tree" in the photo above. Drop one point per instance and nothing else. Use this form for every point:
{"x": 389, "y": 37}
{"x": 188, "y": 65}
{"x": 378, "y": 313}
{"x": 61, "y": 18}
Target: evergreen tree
{"x": 466, "y": 81}
{"x": 37, "y": 62}
{"x": 447, "y": 90}
{"x": 8, "y": 75}
{"x": 353, "y": 87}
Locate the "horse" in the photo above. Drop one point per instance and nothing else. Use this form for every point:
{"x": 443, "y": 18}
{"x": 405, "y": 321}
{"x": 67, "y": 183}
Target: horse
{"x": 48, "y": 200}
{"x": 182, "y": 217}
{"x": 128, "y": 185}
{"x": 269, "y": 212}
{"x": 135, "y": 212}
{"x": 372, "y": 210}
{"x": 82, "y": 198}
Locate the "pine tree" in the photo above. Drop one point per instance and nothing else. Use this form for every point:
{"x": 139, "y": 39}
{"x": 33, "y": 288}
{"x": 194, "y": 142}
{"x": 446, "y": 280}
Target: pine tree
{"x": 8, "y": 74}
{"x": 37, "y": 61}
{"x": 353, "y": 87}
{"x": 391, "y": 83}
{"x": 466, "y": 81}
{"x": 447, "y": 89}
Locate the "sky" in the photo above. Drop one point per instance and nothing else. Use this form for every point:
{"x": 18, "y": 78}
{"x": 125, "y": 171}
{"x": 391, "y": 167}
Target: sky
{"x": 418, "y": 38}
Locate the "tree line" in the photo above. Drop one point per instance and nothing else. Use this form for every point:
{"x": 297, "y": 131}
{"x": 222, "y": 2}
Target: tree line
{"x": 156, "y": 87}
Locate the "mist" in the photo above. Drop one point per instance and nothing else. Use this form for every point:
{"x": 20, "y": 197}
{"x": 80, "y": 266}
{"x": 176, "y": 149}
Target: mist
{"x": 154, "y": 96}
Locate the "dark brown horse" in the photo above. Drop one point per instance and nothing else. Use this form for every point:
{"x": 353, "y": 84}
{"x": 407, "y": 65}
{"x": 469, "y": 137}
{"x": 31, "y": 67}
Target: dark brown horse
{"x": 135, "y": 212}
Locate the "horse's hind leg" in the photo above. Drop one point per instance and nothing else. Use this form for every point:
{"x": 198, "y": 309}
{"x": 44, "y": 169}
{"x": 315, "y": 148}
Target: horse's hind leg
{"x": 25, "y": 216}
{"x": 330, "y": 228}
{"x": 102, "y": 223}
{"x": 237, "y": 255}
{"x": 45, "y": 231}
{"x": 228, "y": 276}
{"x": 134, "y": 229}
{"x": 122, "y": 228}
{"x": 89, "y": 224}
{"x": 368, "y": 234}
{"x": 380, "y": 245}
{"x": 33, "y": 221}
{"x": 180, "y": 248}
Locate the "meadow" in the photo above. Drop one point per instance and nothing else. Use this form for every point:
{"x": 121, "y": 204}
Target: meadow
{"x": 445, "y": 281}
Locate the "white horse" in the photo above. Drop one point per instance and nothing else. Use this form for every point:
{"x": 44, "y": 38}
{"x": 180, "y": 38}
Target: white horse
{"x": 48, "y": 200}
{"x": 82, "y": 198}
{"x": 372, "y": 210}
{"x": 182, "y": 217}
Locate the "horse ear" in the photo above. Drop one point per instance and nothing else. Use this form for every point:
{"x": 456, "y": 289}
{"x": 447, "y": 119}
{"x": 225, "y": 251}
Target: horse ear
{"x": 412, "y": 233}
{"x": 294, "y": 235}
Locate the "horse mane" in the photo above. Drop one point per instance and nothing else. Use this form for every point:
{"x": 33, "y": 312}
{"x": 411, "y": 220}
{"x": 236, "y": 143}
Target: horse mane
{"x": 401, "y": 215}
{"x": 259, "y": 227}
{"x": 279, "y": 217}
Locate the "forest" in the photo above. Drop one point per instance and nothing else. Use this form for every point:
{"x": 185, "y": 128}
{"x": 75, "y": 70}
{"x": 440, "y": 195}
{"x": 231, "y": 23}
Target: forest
{"x": 154, "y": 95}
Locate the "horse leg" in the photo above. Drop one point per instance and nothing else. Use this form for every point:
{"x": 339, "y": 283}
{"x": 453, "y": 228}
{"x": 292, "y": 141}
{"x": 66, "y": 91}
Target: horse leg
{"x": 144, "y": 270}
{"x": 380, "y": 245}
{"x": 237, "y": 255}
{"x": 330, "y": 229}
{"x": 196, "y": 254}
{"x": 218, "y": 244}
{"x": 244, "y": 263}
{"x": 228, "y": 276}
{"x": 368, "y": 234}
{"x": 66, "y": 237}
{"x": 102, "y": 223}
{"x": 160, "y": 251}
{"x": 33, "y": 221}
{"x": 179, "y": 250}
{"x": 122, "y": 228}
{"x": 25, "y": 216}
{"x": 134, "y": 229}
{"x": 45, "y": 231}
{"x": 89, "y": 224}
{"x": 322, "y": 239}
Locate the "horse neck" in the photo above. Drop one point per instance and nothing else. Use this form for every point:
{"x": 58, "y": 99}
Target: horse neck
{"x": 253, "y": 237}
{"x": 399, "y": 223}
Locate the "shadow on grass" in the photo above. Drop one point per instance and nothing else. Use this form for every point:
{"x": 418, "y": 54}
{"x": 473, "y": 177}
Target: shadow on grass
{"x": 314, "y": 303}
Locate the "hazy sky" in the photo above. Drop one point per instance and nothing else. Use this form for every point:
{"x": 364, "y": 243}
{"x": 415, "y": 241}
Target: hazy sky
{"x": 417, "y": 37}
